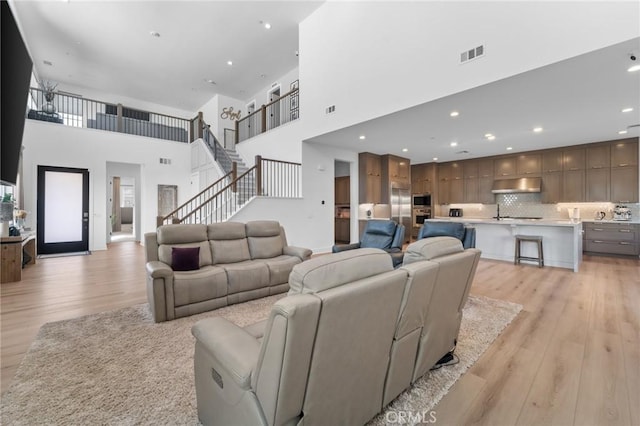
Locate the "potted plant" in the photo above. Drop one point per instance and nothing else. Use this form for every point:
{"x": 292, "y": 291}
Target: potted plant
{"x": 48, "y": 88}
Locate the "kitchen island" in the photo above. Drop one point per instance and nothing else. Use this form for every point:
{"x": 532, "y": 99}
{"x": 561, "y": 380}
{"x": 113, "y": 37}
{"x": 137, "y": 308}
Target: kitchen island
{"x": 562, "y": 239}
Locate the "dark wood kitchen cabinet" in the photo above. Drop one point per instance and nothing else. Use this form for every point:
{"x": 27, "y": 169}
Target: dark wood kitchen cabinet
{"x": 504, "y": 167}
{"x": 599, "y": 157}
{"x": 343, "y": 190}
{"x": 573, "y": 159}
{"x": 551, "y": 191}
{"x": 529, "y": 164}
{"x": 552, "y": 161}
{"x": 573, "y": 186}
{"x": 370, "y": 178}
{"x": 624, "y": 184}
{"x": 597, "y": 184}
{"x": 624, "y": 153}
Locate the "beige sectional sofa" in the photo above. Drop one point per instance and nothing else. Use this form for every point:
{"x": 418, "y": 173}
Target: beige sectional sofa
{"x": 350, "y": 336}
{"x": 225, "y": 263}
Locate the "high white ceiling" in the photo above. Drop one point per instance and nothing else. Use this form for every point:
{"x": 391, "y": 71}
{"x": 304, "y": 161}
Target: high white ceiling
{"x": 107, "y": 46}
{"x": 579, "y": 100}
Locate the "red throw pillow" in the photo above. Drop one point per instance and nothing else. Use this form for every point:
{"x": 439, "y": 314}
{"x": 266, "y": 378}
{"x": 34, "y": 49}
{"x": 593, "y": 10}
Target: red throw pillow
{"x": 185, "y": 258}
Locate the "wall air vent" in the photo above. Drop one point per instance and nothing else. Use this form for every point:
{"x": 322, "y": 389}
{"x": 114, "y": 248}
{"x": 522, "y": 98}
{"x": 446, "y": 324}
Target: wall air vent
{"x": 470, "y": 54}
{"x": 330, "y": 109}
{"x": 165, "y": 161}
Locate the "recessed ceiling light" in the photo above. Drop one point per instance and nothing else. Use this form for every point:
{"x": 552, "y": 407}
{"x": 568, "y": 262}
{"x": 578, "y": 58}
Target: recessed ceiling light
{"x": 454, "y": 144}
{"x": 405, "y": 149}
{"x": 627, "y": 110}
{"x": 634, "y": 68}
{"x": 267, "y": 25}
{"x": 154, "y": 34}
{"x": 622, "y": 132}
{"x": 229, "y": 62}
{"x": 362, "y": 137}
{"x": 509, "y": 148}
{"x": 537, "y": 129}
{"x": 454, "y": 113}
{"x": 489, "y": 136}
{"x": 435, "y": 158}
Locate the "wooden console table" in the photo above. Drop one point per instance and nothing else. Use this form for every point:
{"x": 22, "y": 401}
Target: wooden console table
{"x": 12, "y": 249}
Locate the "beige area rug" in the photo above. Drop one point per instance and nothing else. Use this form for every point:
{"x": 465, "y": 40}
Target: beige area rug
{"x": 120, "y": 368}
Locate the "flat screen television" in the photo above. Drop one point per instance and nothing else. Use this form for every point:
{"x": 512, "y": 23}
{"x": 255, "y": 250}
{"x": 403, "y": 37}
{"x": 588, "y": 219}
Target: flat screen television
{"x": 14, "y": 87}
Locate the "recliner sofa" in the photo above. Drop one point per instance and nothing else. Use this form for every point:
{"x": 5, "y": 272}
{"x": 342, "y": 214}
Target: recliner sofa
{"x": 228, "y": 262}
{"x": 352, "y": 333}
{"x": 387, "y": 235}
{"x": 466, "y": 234}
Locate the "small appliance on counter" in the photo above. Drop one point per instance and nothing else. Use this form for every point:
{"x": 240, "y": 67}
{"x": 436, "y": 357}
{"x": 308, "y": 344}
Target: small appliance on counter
{"x": 455, "y": 212}
{"x": 600, "y": 215}
{"x": 621, "y": 213}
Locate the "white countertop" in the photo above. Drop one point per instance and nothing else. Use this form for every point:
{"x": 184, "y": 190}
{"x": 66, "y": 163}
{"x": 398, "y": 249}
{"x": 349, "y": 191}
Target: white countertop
{"x": 507, "y": 221}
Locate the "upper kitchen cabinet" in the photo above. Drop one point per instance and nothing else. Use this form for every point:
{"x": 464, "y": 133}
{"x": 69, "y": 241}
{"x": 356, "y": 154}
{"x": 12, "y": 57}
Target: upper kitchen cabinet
{"x": 624, "y": 184}
{"x": 396, "y": 170}
{"x": 422, "y": 178}
{"x": 551, "y": 191}
{"x": 624, "y": 153}
{"x": 573, "y": 186}
{"x": 529, "y": 164}
{"x": 573, "y": 159}
{"x": 504, "y": 167}
{"x": 370, "y": 178}
{"x": 552, "y": 161}
{"x": 343, "y": 190}
{"x": 450, "y": 183}
{"x": 598, "y": 157}
{"x": 470, "y": 174}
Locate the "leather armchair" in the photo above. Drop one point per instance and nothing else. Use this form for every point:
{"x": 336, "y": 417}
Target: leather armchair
{"x": 466, "y": 234}
{"x": 383, "y": 234}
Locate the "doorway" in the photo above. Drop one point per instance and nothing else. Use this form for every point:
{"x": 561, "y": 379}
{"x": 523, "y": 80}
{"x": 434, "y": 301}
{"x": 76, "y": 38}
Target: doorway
{"x": 63, "y": 210}
{"x": 123, "y": 202}
{"x": 342, "y": 201}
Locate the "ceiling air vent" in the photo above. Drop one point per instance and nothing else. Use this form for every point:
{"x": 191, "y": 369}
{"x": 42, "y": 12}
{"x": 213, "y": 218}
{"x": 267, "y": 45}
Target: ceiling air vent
{"x": 330, "y": 109}
{"x": 470, "y": 54}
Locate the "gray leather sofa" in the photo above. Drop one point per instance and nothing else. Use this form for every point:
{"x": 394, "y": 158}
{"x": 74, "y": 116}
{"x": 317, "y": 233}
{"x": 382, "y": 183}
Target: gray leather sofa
{"x": 235, "y": 262}
{"x": 351, "y": 335}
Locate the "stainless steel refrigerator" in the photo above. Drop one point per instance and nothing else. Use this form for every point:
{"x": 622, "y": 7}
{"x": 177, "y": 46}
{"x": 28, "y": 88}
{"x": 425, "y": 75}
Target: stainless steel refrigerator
{"x": 401, "y": 209}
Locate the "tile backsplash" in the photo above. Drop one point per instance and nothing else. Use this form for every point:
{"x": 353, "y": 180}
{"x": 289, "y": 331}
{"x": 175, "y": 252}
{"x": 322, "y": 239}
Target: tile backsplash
{"x": 530, "y": 205}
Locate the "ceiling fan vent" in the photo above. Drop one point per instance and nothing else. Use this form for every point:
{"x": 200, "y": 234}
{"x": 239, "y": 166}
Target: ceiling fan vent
{"x": 470, "y": 54}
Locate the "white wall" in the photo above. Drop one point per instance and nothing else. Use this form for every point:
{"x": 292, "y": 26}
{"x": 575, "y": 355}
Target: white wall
{"x": 282, "y": 143}
{"x": 262, "y": 96}
{"x": 56, "y": 145}
{"x": 202, "y": 162}
{"x": 373, "y": 58}
{"x": 212, "y": 110}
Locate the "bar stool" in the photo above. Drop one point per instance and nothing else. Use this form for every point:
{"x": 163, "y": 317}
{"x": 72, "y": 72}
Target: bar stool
{"x": 535, "y": 238}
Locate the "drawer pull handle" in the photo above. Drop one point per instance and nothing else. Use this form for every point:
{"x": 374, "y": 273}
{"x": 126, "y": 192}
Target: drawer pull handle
{"x": 596, "y": 167}
{"x": 624, "y": 230}
{"x": 624, "y": 243}
{"x": 598, "y": 241}
{"x": 622, "y": 164}
{"x": 598, "y": 229}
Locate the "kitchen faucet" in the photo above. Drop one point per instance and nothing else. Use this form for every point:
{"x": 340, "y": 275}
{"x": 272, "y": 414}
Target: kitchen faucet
{"x": 498, "y": 212}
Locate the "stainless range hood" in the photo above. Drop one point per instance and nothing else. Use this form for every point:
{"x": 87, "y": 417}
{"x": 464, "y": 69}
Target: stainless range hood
{"x": 510, "y": 186}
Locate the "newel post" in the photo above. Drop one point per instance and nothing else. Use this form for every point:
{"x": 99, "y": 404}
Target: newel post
{"x": 236, "y": 135}
{"x": 234, "y": 176}
{"x": 258, "y": 175}
{"x": 263, "y": 119}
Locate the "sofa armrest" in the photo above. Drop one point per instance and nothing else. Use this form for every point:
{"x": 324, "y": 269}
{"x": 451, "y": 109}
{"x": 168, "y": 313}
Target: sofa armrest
{"x": 345, "y": 247}
{"x": 157, "y": 269}
{"x": 301, "y": 252}
{"x": 234, "y": 349}
{"x": 469, "y": 240}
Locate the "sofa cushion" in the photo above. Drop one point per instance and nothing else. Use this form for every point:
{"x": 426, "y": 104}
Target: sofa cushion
{"x": 443, "y": 229}
{"x": 185, "y": 258}
{"x": 209, "y": 282}
{"x": 244, "y": 276}
{"x": 279, "y": 268}
{"x": 165, "y": 252}
{"x": 182, "y": 233}
{"x": 333, "y": 270}
{"x": 431, "y": 248}
{"x": 228, "y": 242}
{"x": 378, "y": 234}
{"x": 264, "y": 238}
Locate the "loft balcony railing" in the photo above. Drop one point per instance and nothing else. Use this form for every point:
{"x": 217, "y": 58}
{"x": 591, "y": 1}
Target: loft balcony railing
{"x": 269, "y": 116}
{"x": 85, "y": 113}
{"x": 219, "y": 201}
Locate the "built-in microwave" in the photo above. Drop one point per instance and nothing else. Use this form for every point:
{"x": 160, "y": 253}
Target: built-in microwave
{"x": 420, "y": 200}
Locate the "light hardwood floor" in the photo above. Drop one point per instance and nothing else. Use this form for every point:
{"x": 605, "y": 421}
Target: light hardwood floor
{"x": 571, "y": 357}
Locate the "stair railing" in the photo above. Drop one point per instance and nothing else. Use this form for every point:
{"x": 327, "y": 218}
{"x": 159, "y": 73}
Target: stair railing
{"x": 274, "y": 114}
{"x": 271, "y": 178}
